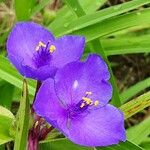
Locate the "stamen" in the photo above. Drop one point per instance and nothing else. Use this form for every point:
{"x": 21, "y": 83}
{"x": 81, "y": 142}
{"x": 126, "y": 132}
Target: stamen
{"x": 87, "y": 100}
{"x": 96, "y": 103}
{"x": 37, "y": 48}
{"x": 39, "y": 45}
{"x": 36, "y": 124}
{"x": 52, "y": 48}
{"x": 82, "y": 105}
{"x": 88, "y": 93}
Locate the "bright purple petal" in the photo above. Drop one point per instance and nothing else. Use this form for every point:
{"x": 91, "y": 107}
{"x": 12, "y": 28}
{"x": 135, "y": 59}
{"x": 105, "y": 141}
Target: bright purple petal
{"x": 48, "y": 105}
{"x": 41, "y": 73}
{"x": 21, "y": 47}
{"x": 68, "y": 49}
{"x": 101, "y": 127}
{"x": 24, "y": 38}
{"x": 30, "y": 44}
{"x": 75, "y": 79}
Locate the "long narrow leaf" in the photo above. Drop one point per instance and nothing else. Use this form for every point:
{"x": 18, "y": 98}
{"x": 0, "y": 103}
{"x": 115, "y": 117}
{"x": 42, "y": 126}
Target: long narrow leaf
{"x": 23, "y": 9}
{"x": 136, "y": 105}
{"x": 97, "y": 17}
{"x": 22, "y": 120}
{"x": 142, "y": 130}
{"x": 126, "y": 45}
{"x": 133, "y": 90}
{"x": 6, "y": 120}
{"x": 39, "y": 7}
{"x": 114, "y": 24}
{"x": 122, "y": 146}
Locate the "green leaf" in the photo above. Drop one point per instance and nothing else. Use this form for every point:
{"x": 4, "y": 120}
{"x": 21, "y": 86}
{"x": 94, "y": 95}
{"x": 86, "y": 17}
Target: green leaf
{"x": 133, "y": 90}
{"x": 126, "y": 45}
{"x": 23, "y": 9}
{"x": 5, "y": 98}
{"x": 75, "y": 7}
{"x": 146, "y": 144}
{"x": 11, "y": 75}
{"x": 136, "y": 105}
{"x": 22, "y": 121}
{"x": 90, "y": 6}
{"x": 63, "y": 143}
{"x": 39, "y": 7}
{"x": 114, "y": 24}
{"x": 5, "y": 112}
{"x": 66, "y": 145}
{"x": 6, "y": 120}
{"x": 2, "y": 147}
{"x": 96, "y": 20}
{"x": 142, "y": 130}
{"x": 65, "y": 15}
{"x": 122, "y": 146}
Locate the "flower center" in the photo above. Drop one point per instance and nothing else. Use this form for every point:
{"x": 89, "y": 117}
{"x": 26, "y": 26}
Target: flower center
{"x": 43, "y": 54}
{"x": 83, "y": 106}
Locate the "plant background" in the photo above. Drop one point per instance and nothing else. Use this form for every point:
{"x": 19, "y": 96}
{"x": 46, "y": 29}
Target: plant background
{"x": 118, "y": 30}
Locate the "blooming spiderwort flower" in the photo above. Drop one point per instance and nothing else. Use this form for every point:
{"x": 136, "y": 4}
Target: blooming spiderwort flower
{"x": 76, "y": 103}
{"x": 35, "y": 52}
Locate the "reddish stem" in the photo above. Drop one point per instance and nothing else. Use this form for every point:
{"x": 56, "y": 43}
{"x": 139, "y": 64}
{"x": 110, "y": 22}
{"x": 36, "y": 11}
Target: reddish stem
{"x": 38, "y": 132}
{"x": 45, "y": 132}
{"x": 32, "y": 141}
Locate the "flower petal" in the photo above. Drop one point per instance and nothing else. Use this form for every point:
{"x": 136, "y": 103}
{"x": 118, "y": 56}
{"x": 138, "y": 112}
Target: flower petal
{"x": 41, "y": 73}
{"x": 75, "y": 79}
{"x": 48, "y": 105}
{"x": 68, "y": 48}
{"x": 24, "y": 38}
{"x": 101, "y": 127}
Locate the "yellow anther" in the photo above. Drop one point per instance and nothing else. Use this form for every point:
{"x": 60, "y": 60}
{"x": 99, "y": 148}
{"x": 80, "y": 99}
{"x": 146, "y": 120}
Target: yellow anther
{"x": 52, "y": 48}
{"x": 96, "y": 103}
{"x": 42, "y": 44}
{"x": 82, "y": 105}
{"x": 87, "y": 100}
{"x": 88, "y": 93}
{"x": 39, "y": 45}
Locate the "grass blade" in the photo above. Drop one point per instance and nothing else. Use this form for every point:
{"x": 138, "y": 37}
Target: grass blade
{"x": 39, "y": 7}
{"x": 5, "y": 98}
{"x": 6, "y": 120}
{"x": 23, "y": 9}
{"x": 133, "y": 90}
{"x": 22, "y": 121}
{"x": 142, "y": 130}
{"x": 127, "y": 45}
{"x": 122, "y": 146}
{"x": 136, "y": 105}
{"x": 115, "y": 24}
{"x": 97, "y": 17}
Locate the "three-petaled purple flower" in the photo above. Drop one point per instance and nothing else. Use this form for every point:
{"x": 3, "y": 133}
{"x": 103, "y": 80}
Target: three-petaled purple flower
{"x": 35, "y": 52}
{"x": 76, "y": 103}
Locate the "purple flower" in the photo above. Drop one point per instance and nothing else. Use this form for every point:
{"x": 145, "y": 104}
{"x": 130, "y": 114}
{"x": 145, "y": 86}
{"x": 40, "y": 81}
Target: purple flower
{"x": 35, "y": 52}
{"x": 76, "y": 103}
